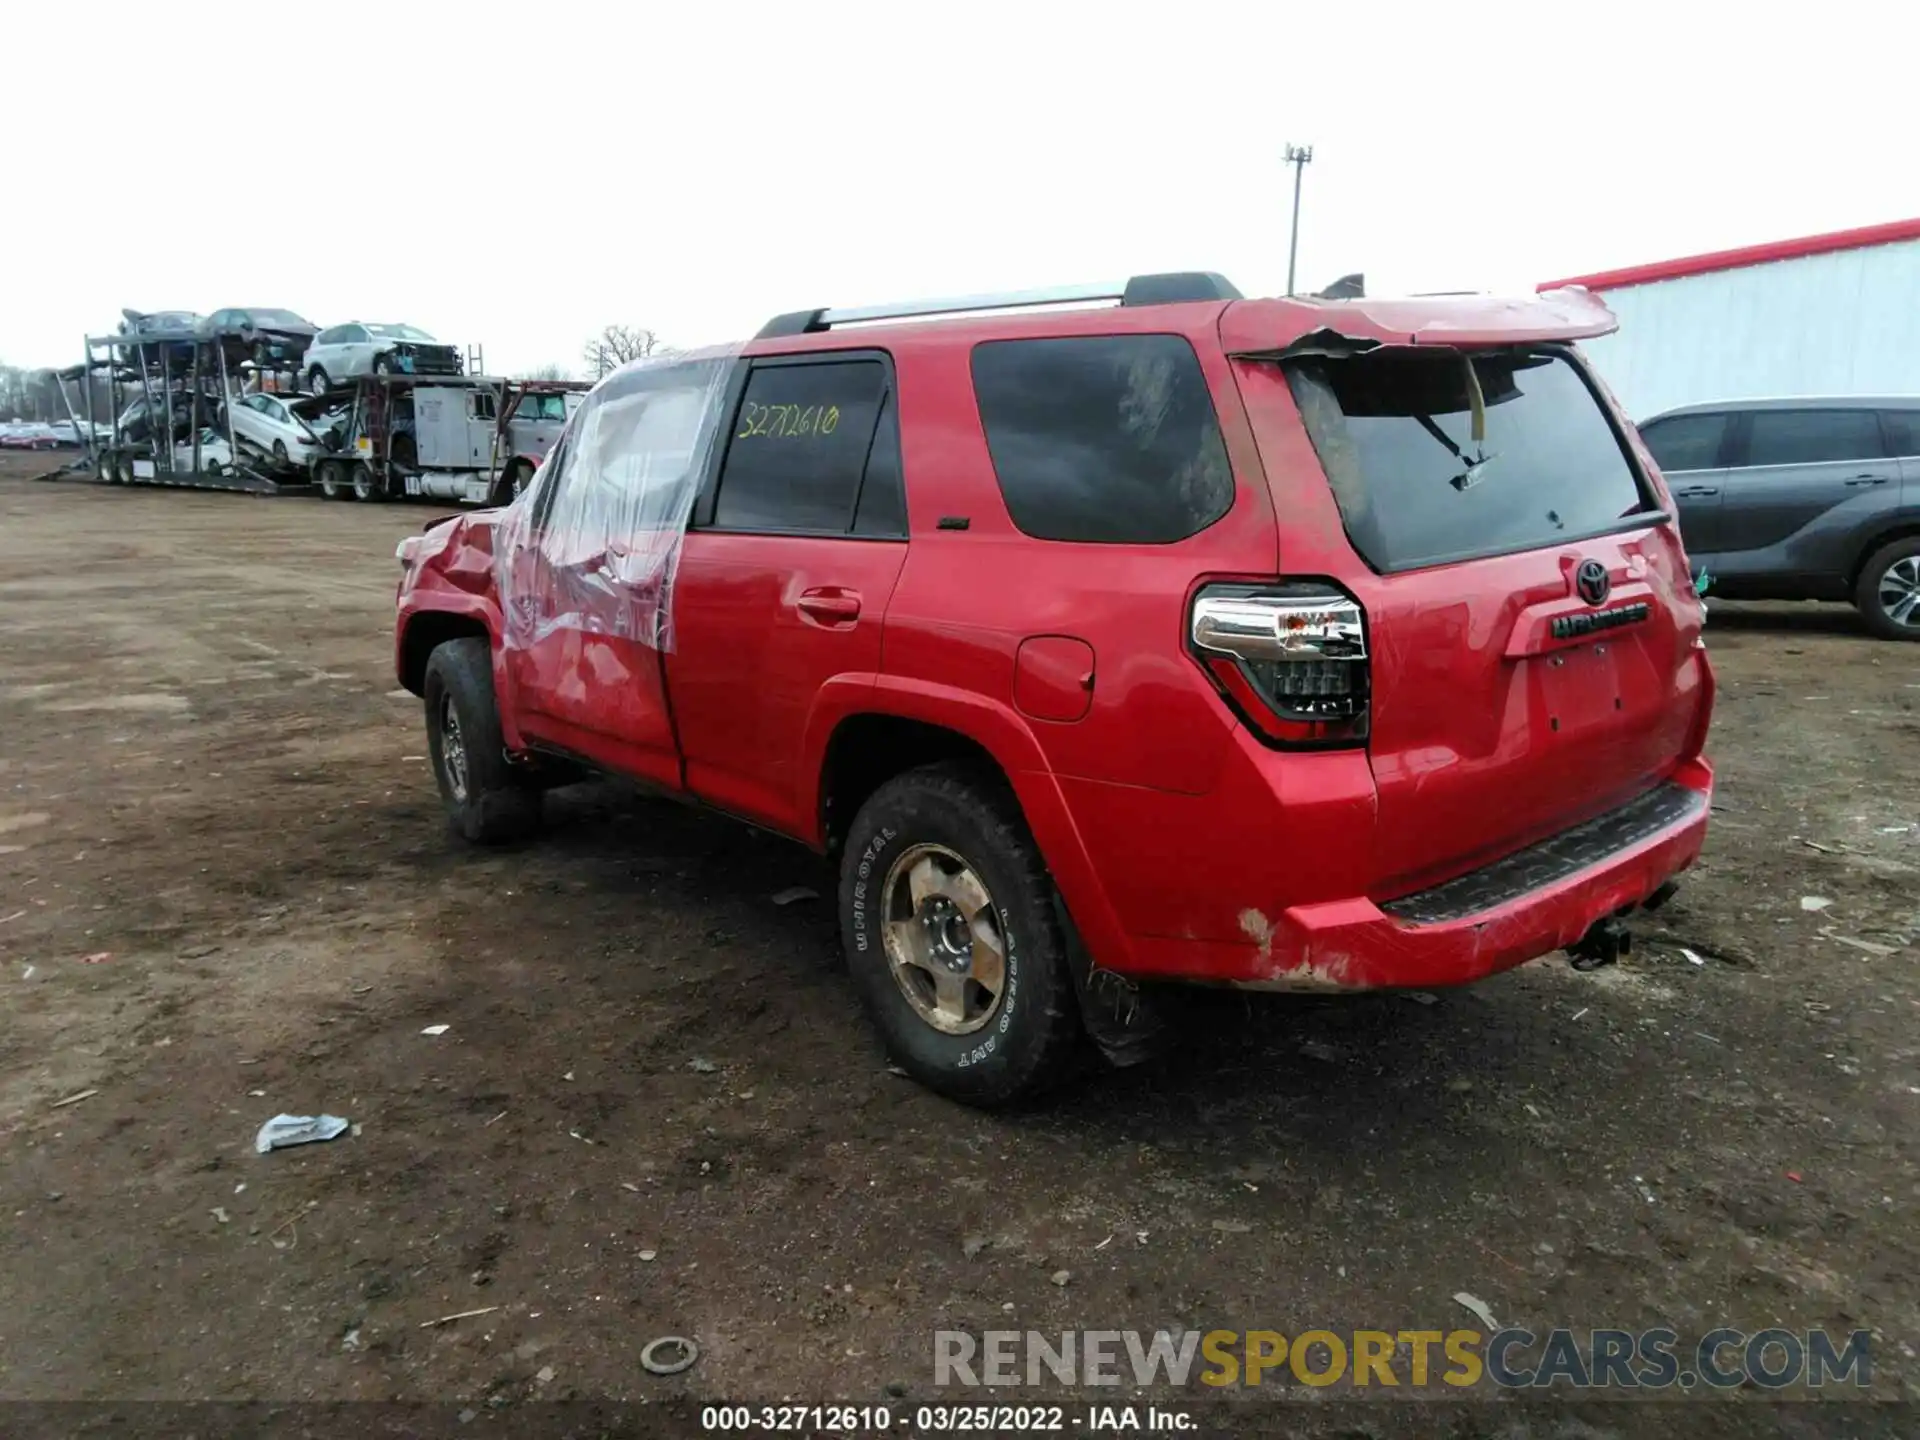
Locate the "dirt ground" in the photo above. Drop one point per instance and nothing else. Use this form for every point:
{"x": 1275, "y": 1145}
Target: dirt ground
{"x": 226, "y": 891}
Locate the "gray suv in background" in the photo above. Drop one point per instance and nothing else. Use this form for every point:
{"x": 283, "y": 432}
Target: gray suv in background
{"x": 1809, "y": 498}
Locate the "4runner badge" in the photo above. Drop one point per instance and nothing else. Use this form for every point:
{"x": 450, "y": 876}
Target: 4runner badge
{"x": 1593, "y": 582}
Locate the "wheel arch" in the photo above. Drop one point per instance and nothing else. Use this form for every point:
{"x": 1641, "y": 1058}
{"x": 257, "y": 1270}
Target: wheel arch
{"x": 1903, "y": 527}
{"x": 424, "y": 632}
{"x": 869, "y": 748}
{"x": 900, "y": 726}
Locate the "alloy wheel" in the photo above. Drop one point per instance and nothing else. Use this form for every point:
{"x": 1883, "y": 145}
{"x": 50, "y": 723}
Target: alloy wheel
{"x": 1899, "y": 591}
{"x": 944, "y": 944}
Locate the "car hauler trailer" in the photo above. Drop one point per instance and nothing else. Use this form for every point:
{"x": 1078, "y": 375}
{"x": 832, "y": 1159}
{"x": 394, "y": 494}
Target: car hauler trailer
{"x": 169, "y": 421}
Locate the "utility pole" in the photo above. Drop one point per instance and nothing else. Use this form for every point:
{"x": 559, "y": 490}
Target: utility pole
{"x": 1298, "y": 156}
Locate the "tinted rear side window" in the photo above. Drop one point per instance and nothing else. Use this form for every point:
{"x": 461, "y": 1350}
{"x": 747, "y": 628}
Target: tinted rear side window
{"x": 1903, "y": 431}
{"x": 1394, "y": 431}
{"x": 1108, "y": 439}
{"x": 1686, "y": 442}
{"x": 1810, "y": 437}
{"x": 799, "y": 446}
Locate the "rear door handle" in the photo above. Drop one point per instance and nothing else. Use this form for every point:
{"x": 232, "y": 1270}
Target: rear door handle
{"x": 1859, "y": 480}
{"x": 829, "y": 607}
{"x": 1695, "y": 492}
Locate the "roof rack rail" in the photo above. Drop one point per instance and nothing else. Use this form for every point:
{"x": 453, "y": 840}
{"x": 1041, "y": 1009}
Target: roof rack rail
{"x": 1171, "y": 288}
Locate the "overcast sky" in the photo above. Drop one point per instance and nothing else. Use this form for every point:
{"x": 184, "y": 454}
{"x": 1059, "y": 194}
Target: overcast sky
{"x": 520, "y": 177}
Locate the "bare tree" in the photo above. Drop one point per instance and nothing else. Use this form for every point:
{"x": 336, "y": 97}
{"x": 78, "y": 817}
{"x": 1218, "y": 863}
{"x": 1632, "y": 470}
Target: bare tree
{"x": 616, "y": 345}
{"x": 30, "y": 395}
{"x": 552, "y": 370}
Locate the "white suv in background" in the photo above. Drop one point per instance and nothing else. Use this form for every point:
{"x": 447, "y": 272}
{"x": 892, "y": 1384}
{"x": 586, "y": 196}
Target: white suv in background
{"x": 342, "y": 352}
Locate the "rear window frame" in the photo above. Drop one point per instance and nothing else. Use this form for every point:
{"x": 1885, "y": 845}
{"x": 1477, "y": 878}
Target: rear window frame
{"x": 703, "y": 516}
{"x": 1659, "y": 509}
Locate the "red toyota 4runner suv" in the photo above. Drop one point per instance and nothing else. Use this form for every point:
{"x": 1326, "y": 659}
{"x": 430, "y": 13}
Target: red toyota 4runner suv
{"x": 1302, "y": 643}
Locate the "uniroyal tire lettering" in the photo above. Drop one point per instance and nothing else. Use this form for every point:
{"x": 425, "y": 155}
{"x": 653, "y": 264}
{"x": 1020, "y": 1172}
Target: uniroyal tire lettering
{"x": 1012, "y": 996}
{"x": 980, "y": 1053}
{"x": 863, "y": 872}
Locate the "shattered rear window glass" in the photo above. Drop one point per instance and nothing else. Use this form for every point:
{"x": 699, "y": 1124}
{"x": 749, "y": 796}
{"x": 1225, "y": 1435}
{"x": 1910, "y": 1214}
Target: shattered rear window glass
{"x": 1394, "y": 430}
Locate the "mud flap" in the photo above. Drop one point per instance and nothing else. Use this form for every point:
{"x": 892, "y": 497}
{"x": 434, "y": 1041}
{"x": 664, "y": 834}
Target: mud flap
{"x": 1118, "y": 1015}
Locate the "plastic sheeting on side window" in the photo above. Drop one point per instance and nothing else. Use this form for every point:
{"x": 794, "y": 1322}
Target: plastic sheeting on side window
{"x": 592, "y": 543}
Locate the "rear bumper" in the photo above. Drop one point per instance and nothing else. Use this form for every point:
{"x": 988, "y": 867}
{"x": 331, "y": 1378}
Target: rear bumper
{"x": 1527, "y": 905}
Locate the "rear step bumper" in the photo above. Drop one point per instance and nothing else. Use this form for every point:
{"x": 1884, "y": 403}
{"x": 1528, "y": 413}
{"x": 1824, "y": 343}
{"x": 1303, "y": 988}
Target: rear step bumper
{"x": 1531, "y": 903}
{"x": 1553, "y": 859}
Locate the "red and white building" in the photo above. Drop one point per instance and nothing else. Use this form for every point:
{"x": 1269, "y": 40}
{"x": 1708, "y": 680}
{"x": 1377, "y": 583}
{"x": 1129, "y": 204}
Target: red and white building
{"x": 1835, "y": 314}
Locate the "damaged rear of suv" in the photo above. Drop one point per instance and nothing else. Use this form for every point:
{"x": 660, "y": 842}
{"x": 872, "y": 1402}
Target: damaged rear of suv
{"x": 1533, "y": 695}
{"x": 1283, "y": 644}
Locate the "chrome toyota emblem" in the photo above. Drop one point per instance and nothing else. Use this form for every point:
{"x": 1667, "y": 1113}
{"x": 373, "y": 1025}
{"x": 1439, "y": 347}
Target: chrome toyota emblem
{"x": 1592, "y": 581}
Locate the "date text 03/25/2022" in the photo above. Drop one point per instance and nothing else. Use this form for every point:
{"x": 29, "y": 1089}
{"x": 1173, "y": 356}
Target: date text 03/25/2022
{"x": 947, "y": 1419}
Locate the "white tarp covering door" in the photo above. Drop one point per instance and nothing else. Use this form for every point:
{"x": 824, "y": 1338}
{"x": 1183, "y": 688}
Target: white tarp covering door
{"x": 584, "y": 562}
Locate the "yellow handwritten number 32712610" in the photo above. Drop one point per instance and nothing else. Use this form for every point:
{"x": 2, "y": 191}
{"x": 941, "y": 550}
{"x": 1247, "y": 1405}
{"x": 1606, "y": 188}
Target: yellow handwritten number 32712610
{"x": 784, "y": 422}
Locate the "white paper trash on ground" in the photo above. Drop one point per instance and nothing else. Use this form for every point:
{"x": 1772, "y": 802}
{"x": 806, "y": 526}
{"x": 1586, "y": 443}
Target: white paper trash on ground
{"x": 284, "y": 1130}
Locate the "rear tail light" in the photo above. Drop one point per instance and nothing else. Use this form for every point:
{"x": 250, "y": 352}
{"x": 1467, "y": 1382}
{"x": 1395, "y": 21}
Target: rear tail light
{"x": 1290, "y": 657}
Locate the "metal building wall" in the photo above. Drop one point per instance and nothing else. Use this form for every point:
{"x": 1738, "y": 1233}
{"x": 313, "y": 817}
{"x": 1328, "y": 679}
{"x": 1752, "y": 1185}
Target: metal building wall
{"x": 1844, "y": 323}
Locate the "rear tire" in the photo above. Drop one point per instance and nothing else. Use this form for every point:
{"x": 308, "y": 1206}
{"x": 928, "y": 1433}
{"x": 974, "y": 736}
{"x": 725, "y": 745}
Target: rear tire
{"x": 365, "y": 486}
{"x": 317, "y": 381}
{"x": 487, "y": 800}
{"x": 969, "y": 824}
{"x": 329, "y": 476}
{"x": 1888, "y": 594}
